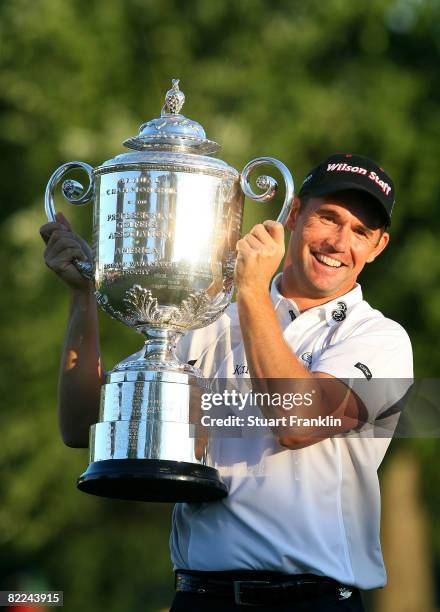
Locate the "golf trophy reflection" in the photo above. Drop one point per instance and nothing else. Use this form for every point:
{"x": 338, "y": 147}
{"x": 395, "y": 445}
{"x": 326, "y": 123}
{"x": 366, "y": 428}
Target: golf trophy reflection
{"x": 167, "y": 217}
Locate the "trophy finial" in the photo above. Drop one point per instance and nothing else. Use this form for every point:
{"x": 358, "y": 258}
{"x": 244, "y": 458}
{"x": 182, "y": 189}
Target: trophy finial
{"x": 172, "y": 131}
{"x": 174, "y": 99}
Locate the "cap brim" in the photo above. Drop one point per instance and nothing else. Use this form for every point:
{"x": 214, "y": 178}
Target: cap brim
{"x": 342, "y": 186}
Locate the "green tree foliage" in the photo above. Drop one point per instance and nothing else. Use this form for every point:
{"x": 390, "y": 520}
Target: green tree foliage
{"x": 296, "y": 80}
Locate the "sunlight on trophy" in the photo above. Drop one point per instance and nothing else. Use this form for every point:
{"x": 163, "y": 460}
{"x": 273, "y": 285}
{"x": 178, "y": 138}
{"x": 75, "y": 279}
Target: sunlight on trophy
{"x": 167, "y": 217}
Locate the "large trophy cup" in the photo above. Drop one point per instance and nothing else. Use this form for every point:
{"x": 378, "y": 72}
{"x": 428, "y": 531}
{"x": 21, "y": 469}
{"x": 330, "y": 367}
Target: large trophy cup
{"x": 167, "y": 217}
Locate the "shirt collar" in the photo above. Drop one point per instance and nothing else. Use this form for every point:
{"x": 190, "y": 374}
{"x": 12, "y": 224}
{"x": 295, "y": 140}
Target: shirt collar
{"x": 334, "y": 310}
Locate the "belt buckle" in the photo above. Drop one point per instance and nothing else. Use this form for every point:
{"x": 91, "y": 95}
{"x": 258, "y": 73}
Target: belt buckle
{"x": 344, "y": 593}
{"x": 238, "y": 594}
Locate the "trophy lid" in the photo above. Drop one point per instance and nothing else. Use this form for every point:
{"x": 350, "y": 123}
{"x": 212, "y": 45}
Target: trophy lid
{"x": 172, "y": 131}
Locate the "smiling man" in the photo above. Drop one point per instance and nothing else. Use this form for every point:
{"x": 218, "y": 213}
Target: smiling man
{"x": 299, "y": 529}
{"x": 329, "y": 264}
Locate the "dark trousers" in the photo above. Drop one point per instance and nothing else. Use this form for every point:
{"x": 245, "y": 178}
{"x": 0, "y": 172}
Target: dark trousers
{"x": 192, "y": 602}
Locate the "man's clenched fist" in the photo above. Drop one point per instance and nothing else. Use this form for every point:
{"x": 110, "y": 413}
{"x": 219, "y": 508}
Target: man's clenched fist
{"x": 259, "y": 254}
{"x": 62, "y": 247}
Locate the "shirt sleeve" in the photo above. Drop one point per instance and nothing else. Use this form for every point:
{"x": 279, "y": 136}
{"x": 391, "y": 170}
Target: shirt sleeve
{"x": 375, "y": 362}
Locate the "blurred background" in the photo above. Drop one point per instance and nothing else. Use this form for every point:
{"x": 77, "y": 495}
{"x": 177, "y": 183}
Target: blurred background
{"x": 293, "y": 79}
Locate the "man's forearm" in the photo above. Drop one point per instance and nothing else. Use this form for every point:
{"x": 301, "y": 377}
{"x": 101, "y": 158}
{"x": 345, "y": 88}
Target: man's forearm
{"x": 81, "y": 374}
{"x": 270, "y": 360}
{"x": 268, "y": 354}
{"x": 277, "y": 370}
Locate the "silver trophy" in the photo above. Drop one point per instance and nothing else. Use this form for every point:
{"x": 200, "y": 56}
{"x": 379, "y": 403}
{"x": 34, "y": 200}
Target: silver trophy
{"x": 167, "y": 217}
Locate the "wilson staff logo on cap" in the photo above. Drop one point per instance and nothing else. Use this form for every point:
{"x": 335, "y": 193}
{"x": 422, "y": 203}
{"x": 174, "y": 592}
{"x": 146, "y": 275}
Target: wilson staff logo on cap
{"x": 343, "y": 171}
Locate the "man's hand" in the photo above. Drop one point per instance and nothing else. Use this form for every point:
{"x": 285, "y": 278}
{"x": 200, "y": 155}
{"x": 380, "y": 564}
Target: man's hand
{"x": 62, "y": 247}
{"x": 259, "y": 255}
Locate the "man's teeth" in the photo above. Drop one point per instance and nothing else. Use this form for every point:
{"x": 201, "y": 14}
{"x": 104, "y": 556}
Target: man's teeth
{"x": 328, "y": 260}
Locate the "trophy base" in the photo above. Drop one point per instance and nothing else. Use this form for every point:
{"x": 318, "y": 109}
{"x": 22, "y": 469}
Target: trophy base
{"x": 152, "y": 480}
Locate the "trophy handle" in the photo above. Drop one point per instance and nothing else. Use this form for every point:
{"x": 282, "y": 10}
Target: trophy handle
{"x": 269, "y": 185}
{"x": 74, "y": 193}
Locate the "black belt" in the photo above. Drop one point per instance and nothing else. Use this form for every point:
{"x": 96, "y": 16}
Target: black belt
{"x": 260, "y": 588}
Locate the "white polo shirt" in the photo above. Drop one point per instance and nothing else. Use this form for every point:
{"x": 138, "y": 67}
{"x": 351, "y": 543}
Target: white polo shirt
{"x": 311, "y": 510}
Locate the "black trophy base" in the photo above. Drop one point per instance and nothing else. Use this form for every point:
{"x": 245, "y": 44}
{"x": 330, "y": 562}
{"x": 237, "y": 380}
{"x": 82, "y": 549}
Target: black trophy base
{"x": 152, "y": 480}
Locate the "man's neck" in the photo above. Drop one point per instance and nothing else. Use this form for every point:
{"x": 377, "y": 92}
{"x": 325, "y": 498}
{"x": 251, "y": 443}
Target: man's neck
{"x": 288, "y": 289}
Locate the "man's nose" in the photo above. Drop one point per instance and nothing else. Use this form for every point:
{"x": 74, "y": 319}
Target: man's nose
{"x": 340, "y": 237}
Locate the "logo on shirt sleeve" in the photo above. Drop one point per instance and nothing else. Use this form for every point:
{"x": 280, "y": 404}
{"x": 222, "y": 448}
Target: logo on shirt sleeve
{"x": 365, "y": 371}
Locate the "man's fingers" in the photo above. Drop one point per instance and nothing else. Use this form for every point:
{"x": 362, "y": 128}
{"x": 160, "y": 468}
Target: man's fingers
{"x": 63, "y": 260}
{"x": 61, "y": 223}
{"x": 266, "y": 246}
{"x": 63, "y": 220}
{"x": 275, "y": 229}
{"x": 61, "y": 245}
{"x": 260, "y": 232}
{"x": 47, "y": 230}
{"x": 61, "y": 239}
{"x": 58, "y": 235}
{"x": 269, "y": 232}
{"x": 244, "y": 247}
{"x": 254, "y": 242}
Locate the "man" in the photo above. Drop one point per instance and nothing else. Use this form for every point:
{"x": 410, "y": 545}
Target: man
{"x": 299, "y": 529}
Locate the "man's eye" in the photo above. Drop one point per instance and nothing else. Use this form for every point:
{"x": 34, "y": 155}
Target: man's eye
{"x": 327, "y": 218}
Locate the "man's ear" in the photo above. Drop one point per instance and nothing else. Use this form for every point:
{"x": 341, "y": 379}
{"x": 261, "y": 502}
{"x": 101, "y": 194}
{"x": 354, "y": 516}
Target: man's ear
{"x": 383, "y": 241}
{"x": 291, "y": 219}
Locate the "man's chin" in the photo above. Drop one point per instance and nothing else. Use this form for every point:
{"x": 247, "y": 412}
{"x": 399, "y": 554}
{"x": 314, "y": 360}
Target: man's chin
{"x": 326, "y": 289}
{"x": 324, "y": 292}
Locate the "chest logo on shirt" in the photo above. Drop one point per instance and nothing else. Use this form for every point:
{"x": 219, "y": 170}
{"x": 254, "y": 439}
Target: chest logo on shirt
{"x": 240, "y": 369}
{"x": 307, "y": 358}
{"x": 365, "y": 371}
{"x": 339, "y": 313}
